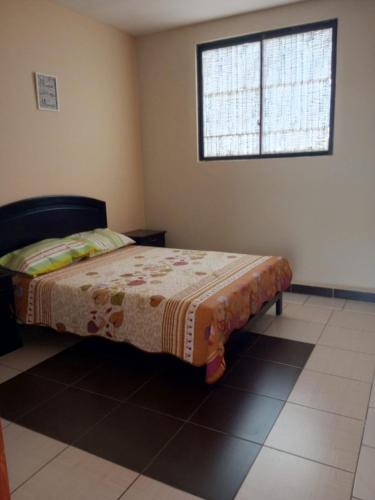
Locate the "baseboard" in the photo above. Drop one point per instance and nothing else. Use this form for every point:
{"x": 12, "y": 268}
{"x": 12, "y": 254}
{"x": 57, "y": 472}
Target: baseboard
{"x": 332, "y": 292}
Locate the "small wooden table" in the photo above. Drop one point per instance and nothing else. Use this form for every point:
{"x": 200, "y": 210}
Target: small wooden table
{"x": 148, "y": 237}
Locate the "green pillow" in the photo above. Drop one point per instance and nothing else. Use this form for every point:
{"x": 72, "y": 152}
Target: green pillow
{"x": 46, "y": 256}
{"x": 103, "y": 240}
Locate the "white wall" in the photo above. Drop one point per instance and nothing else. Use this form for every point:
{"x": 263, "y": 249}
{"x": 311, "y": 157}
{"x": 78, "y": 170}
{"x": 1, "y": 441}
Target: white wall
{"x": 91, "y": 147}
{"x": 318, "y": 211}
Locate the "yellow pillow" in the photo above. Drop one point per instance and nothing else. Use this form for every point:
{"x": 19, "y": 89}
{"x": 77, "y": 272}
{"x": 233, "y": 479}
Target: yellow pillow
{"x": 103, "y": 240}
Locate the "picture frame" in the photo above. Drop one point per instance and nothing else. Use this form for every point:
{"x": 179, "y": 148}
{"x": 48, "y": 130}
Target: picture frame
{"x": 46, "y": 92}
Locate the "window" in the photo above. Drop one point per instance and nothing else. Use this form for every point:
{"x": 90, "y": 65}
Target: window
{"x": 269, "y": 94}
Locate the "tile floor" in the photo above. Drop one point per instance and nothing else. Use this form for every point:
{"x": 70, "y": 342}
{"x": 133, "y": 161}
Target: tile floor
{"x": 293, "y": 417}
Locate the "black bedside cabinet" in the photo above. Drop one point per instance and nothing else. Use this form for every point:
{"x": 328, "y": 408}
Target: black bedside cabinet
{"x": 9, "y": 335}
{"x": 148, "y": 237}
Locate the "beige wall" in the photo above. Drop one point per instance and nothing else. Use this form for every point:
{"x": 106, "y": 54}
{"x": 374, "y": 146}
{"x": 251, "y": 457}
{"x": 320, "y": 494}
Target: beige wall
{"x": 92, "y": 146}
{"x": 318, "y": 211}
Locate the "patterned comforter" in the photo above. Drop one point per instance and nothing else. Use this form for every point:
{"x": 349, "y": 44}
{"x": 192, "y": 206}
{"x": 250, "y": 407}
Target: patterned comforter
{"x": 182, "y": 302}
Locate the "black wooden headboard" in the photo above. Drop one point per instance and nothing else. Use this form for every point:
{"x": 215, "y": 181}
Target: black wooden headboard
{"x": 34, "y": 219}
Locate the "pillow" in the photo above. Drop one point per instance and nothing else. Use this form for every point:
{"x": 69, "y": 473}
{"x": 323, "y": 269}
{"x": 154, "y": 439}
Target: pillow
{"x": 103, "y": 240}
{"x": 46, "y": 256}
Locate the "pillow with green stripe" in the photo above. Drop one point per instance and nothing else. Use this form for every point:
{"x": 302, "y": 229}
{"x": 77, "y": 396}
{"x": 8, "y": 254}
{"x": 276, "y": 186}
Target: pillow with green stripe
{"x": 103, "y": 240}
{"x": 46, "y": 256}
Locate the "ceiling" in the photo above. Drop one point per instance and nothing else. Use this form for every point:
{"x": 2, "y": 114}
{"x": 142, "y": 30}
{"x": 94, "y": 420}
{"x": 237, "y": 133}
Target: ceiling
{"x": 139, "y": 17}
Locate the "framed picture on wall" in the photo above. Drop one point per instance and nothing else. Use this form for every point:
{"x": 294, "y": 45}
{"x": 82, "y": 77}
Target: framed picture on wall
{"x": 46, "y": 92}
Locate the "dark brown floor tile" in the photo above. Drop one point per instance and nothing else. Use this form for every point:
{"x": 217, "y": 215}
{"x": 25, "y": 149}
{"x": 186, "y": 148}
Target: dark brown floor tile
{"x": 248, "y": 416}
{"x": 68, "y": 415}
{"x": 67, "y": 366}
{"x": 176, "y": 391}
{"x": 98, "y": 345}
{"x": 237, "y": 345}
{"x": 107, "y": 349}
{"x": 130, "y": 436}
{"x": 24, "y": 392}
{"x": 205, "y": 463}
{"x": 126, "y": 353}
{"x": 239, "y": 342}
{"x": 117, "y": 379}
{"x": 263, "y": 377}
{"x": 279, "y": 350}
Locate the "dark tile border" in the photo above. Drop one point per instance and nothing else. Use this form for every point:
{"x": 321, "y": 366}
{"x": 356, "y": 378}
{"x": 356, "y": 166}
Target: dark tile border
{"x": 332, "y": 292}
{"x": 311, "y": 290}
{"x": 354, "y": 295}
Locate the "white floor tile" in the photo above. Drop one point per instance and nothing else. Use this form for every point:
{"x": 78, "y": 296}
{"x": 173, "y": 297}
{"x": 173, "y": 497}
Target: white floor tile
{"x": 7, "y": 373}
{"x": 295, "y": 329}
{"x": 27, "y": 451}
{"x": 364, "y": 486}
{"x": 28, "y": 356}
{"x": 313, "y": 314}
{"x": 369, "y": 434}
{"x": 4, "y": 423}
{"x": 330, "y": 393}
{"x": 77, "y": 475}
{"x": 279, "y": 476}
{"x": 372, "y": 398}
{"x": 147, "y": 488}
{"x": 330, "y": 302}
{"x": 295, "y": 298}
{"x": 324, "y": 437}
{"x": 261, "y": 324}
{"x": 353, "y": 320}
{"x": 37, "y": 350}
{"x": 334, "y": 361}
{"x": 358, "y": 306}
{"x": 272, "y": 310}
{"x": 345, "y": 338}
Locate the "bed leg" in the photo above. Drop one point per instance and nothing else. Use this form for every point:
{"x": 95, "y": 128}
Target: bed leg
{"x": 279, "y": 305}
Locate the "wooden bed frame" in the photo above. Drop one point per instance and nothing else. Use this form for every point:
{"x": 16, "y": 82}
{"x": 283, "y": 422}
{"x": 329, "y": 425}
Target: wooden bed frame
{"x": 28, "y": 221}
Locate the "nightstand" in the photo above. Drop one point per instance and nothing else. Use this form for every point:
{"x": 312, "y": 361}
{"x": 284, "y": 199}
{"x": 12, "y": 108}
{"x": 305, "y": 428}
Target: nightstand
{"x": 148, "y": 237}
{"x": 9, "y": 336}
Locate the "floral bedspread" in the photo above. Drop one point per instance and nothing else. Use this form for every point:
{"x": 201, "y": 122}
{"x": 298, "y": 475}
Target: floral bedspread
{"x": 182, "y": 302}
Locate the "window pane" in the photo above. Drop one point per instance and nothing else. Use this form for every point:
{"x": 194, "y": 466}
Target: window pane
{"x": 231, "y": 100}
{"x": 297, "y": 92}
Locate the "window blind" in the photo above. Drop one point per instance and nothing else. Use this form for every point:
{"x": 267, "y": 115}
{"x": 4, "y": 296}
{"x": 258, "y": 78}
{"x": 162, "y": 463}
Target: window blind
{"x": 267, "y": 95}
{"x": 297, "y": 92}
{"x": 231, "y": 90}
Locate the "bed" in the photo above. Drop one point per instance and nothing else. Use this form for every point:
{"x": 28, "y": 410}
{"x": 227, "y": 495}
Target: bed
{"x": 182, "y": 302}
